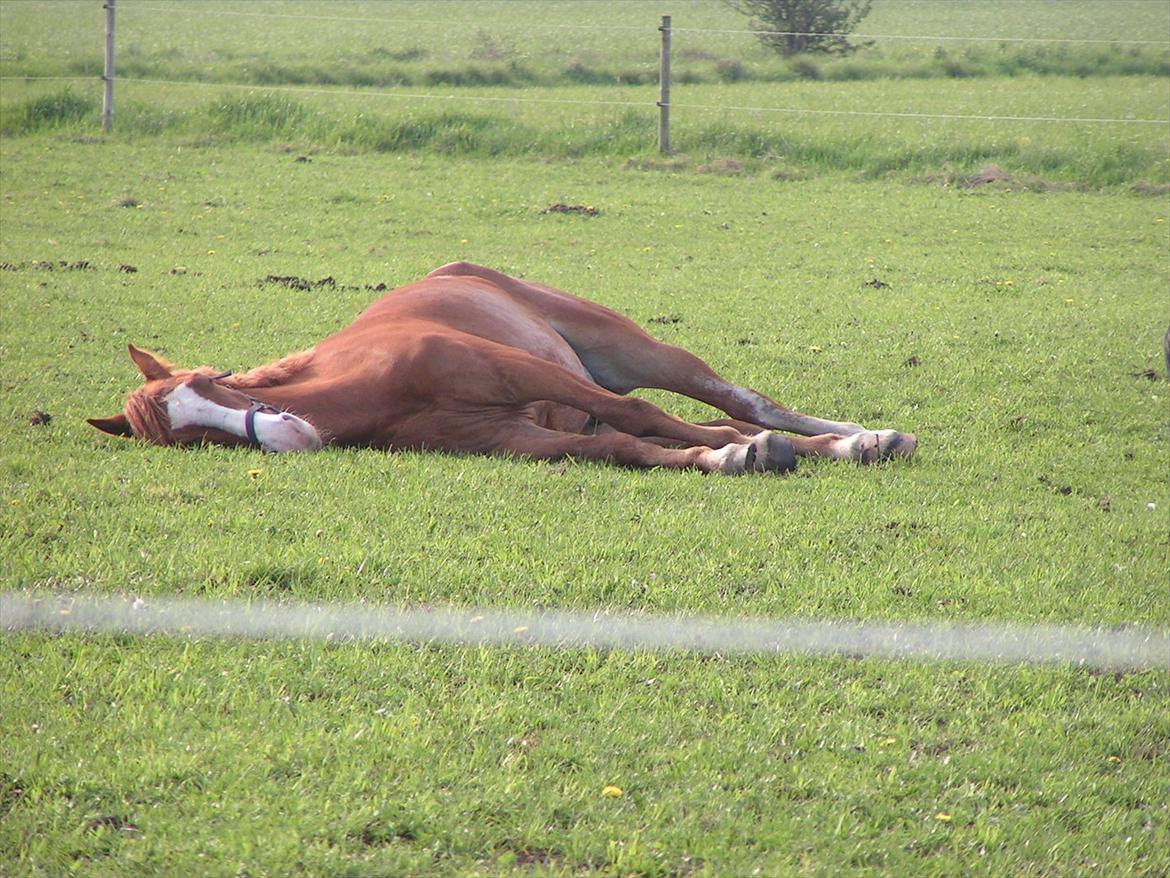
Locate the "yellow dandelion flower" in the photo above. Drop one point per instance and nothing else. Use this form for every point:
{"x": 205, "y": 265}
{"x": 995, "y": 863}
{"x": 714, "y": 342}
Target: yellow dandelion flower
{"x": 610, "y": 791}
{"x": 254, "y": 473}
{"x": 942, "y": 817}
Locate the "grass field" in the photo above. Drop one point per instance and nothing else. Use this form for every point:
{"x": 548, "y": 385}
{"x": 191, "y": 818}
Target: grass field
{"x": 522, "y": 42}
{"x": 566, "y": 80}
{"x": 1018, "y": 335}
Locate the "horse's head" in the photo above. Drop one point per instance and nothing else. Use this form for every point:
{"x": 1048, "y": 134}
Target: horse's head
{"x": 179, "y": 407}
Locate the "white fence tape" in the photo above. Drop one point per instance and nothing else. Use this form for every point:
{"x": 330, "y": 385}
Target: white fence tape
{"x": 1115, "y": 648}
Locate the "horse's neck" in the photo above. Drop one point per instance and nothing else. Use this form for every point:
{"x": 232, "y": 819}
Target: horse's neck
{"x": 338, "y": 410}
{"x": 282, "y": 372}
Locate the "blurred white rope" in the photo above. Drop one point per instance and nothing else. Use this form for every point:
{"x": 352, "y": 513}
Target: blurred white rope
{"x": 1113, "y": 648}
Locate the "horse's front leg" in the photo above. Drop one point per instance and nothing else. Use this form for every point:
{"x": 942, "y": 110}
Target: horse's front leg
{"x": 765, "y": 452}
{"x": 865, "y": 446}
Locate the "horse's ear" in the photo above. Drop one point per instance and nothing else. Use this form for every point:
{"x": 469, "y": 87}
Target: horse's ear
{"x": 115, "y": 426}
{"x": 148, "y": 365}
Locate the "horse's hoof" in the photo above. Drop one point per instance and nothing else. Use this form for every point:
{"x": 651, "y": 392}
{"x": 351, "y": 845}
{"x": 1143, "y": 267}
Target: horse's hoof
{"x": 773, "y": 453}
{"x": 891, "y": 443}
{"x": 765, "y": 453}
{"x": 874, "y": 445}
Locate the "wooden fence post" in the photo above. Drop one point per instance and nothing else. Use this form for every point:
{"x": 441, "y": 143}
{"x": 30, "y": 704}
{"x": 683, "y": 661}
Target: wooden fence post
{"x": 663, "y": 88}
{"x": 108, "y": 74}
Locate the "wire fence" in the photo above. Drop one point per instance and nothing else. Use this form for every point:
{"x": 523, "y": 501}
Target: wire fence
{"x": 596, "y": 102}
{"x": 517, "y": 97}
{"x": 1106, "y": 649}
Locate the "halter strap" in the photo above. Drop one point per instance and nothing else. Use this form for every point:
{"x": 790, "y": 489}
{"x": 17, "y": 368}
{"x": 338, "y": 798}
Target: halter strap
{"x": 250, "y": 422}
{"x": 250, "y": 416}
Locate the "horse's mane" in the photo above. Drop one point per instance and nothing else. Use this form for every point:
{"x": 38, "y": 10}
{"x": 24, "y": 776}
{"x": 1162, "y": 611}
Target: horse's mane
{"x": 273, "y": 373}
{"x": 148, "y": 417}
{"x": 145, "y": 410}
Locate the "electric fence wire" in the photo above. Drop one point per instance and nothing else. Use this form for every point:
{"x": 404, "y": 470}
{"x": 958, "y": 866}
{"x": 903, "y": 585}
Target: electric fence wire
{"x": 524, "y": 99}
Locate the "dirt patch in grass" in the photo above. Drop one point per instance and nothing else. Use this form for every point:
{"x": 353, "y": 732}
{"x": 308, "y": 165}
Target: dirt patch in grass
{"x": 674, "y": 164}
{"x": 996, "y": 177}
{"x": 299, "y": 283}
{"x": 65, "y": 265}
{"x": 292, "y": 282}
{"x": 381, "y": 832}
{"x": 536, "y": 857}
{"x": 582, "y": 209}
{"x": 990, "y": 174}
{"x": 530, "y": 855}
{"x": 112, "y": 822}
{"x": 1155, "y": 189}
{"x": 61, "y": 265}
{"x": 721, "y": 168}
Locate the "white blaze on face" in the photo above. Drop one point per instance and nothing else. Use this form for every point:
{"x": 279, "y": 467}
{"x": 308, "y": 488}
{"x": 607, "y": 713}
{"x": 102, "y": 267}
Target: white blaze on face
{"x": 276, "y": 432}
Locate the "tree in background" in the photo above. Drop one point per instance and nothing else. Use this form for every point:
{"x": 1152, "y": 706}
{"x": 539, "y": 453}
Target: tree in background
{"x": 805, "y": 25}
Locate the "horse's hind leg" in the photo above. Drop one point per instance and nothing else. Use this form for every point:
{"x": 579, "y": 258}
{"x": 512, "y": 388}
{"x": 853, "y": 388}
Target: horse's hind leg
{"x": 671, "y": 368}
{"x": 621, "y": 356}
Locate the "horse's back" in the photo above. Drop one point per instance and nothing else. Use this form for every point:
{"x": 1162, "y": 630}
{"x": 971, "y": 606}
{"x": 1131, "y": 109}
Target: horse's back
{"x": 464, "y": 306}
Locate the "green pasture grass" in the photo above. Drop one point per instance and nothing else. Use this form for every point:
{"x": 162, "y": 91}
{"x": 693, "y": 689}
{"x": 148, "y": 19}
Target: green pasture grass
{"x": 520, "y": 43}
{"x": 1016, "y": 332}
{"x": 789, "y": 129}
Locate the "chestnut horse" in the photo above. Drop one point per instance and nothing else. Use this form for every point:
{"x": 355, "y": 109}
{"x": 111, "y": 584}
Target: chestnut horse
{"x": 471, "y": 360}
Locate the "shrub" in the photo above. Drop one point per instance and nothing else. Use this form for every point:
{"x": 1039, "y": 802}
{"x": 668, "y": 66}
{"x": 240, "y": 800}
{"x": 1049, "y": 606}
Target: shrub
{"x": 795, "y": 26}
{"x": 730, "y": 70}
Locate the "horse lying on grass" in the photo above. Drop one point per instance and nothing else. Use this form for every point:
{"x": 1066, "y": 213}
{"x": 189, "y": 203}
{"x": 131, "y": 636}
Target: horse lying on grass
{"x": 471, "y": 360}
